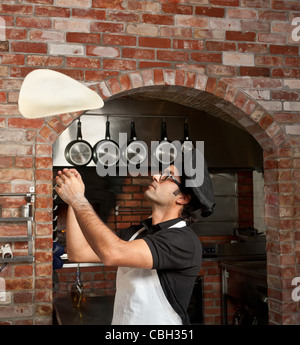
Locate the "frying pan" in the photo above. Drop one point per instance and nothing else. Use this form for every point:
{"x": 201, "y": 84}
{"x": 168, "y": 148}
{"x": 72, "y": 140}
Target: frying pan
{"x": 165, "y": 152}
{"x": 78, "y": 152}
{"x": 106, "y": 151}
{"x": 136, "y": 150}
{"x": 187, "y": 143}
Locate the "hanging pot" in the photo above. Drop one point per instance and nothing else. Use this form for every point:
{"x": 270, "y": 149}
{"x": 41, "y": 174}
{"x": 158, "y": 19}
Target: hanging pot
{"x": 136, "y": 151}
{"x": 186, "y": 144}
{"x": 165, "y": 152}
{"x": 78, "y": 152}
{"x": 106, "y": 151}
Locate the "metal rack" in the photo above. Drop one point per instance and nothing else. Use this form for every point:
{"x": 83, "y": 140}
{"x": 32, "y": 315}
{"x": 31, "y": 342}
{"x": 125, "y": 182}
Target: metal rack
{"x": 30, "y": 198}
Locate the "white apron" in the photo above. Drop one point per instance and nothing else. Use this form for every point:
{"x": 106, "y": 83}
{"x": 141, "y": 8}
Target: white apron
{"x": 140, "y": 299}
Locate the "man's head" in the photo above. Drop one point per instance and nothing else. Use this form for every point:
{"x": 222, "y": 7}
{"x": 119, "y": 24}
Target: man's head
{"x": 181, "y": 188}
{"x": 166, "y": 189}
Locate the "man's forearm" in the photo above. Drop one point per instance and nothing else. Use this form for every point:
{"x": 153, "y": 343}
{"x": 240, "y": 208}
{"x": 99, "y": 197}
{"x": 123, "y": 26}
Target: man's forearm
{"x": 97, "y": 234}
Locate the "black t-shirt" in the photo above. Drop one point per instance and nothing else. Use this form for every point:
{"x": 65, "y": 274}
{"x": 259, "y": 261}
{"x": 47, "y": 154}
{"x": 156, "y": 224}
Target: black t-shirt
{"x": 177, "y": 257}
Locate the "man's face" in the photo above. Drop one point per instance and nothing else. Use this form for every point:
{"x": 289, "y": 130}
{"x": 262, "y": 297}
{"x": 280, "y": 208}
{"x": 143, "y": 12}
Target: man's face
{"x": 164, "y": 192}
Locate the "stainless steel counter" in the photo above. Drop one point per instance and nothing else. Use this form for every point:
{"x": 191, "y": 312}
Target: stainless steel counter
{"x": 245, "y": 282}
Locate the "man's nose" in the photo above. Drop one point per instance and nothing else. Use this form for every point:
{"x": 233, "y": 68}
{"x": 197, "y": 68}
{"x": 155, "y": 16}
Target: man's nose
{"x": 156, "y": 177}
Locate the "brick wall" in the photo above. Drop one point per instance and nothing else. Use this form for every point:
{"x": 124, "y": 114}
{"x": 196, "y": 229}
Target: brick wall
{"x": 235, "y": 57}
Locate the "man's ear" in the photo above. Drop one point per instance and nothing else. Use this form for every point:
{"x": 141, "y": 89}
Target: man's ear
{"x": 183, "y": 199}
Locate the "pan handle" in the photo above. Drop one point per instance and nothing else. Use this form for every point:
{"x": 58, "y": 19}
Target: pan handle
{"x": 186, "y": 131}
{"x": 79, "y": 134}
{"x": 132, "y": 129}
{"x": 107, "y": 131}
{"x": 164, "y": 131}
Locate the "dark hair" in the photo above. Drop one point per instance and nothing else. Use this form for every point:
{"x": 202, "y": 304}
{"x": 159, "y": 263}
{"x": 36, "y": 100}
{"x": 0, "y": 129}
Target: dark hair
{"x": 188, "y": 214}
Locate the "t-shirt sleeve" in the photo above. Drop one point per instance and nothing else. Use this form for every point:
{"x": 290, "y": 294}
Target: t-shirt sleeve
{"x": 175, "y": 248}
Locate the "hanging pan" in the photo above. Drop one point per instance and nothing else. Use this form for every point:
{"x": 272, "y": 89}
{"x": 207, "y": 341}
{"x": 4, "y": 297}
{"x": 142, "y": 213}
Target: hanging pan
{"x": 186, "y": 144}
{"x": 78, "y": 152}
{"x": 136, "y": 151}
{"x": 165, "y": 152}
{"x": 106, "y": 151}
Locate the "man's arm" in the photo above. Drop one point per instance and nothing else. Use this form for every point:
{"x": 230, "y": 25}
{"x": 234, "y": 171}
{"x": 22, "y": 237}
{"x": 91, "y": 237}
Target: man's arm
{"x": 78, "y": 249}
{"x": 111, "y": 250}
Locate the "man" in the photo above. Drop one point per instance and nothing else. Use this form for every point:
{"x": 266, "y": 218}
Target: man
{"x": 158, "y": 262}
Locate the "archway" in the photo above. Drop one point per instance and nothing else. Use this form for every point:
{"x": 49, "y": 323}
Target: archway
{"x": 219, "y": 97}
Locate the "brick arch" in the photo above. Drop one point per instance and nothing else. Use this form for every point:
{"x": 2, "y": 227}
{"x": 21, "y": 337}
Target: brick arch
{"x": 198, "y": 90}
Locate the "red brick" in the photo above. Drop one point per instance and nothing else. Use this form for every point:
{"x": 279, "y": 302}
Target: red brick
{"x": 265, "y": 60}
{"x": 76, "y": 62}
{"x": 115, "y": 4}
{"x": 43, "y": 162}
{"x": 206, "y": 57}
{"x": 16, "y": 9}
{"x": 158, "y": 19}
{"x": 42, "y": 60}
{"x": 211, "y": 85}
{"x": 39, "y": 23}
{"x": 176, "y": 8}
{"x": 220, "y": 70}
{"x": 23, "y": 271}
{"x": 158, "y": 79}
{"x": 284, "y": 50}
{"x": 113, "y": 64}
{"x": 83, "y": 37}
{"x": 220, "y": 46}
{"x": 16, "y": 34}
{"x": 92, "y": 14}
{"x": 6, "y": 162}
{"x": 225, "y": 2}
{"x": 240, "y": 36}
{"x": 43, "y": 217}
{"x": 114, "y": 85}
{"x": 43, "y": 149}
{"x": 43, "y": 175}
{"x": 106, "y": 27}
{"x": 4, "y": 46}
{"x": 97, "y": 75}
{"x": 188, "y": 44}
{"x": 252, "y": 48}
{"x": 123, "y": 16}
{"x": 153, "y": 64}
{"x": 52, "y": 11}
{"x": 254, "y": 71}
{"x": 125, "y": 82}
{"x": 210, "y": 11}
{"x": 24, "y": 162}
{"x": 169, "y": 55}
{"x": 154, "y": 42}
{"x": 122, "y": 40}
{"x": 285, "y": 95}
{"x": 140, "y": 54}
{"x": 286, "y": 73}
{"x": 25, "y": 123}
{"x": 256, "y": 3}
{"x": 292, "y": 62}
{"x": 285, "y": 5}
{"x": 273, "y": 16}
{"x": 29, "y": 47}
